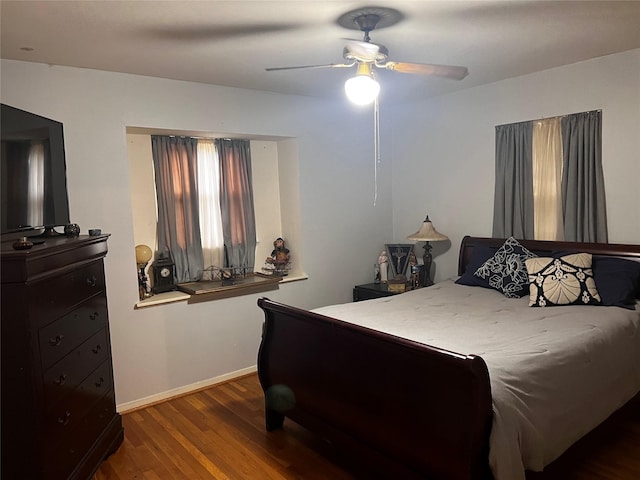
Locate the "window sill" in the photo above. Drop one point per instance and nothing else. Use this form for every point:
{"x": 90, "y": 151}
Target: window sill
{"x": 196, "y": 292}
{"x": 294, "y": 278}
{"x": 205, "y": 291}
{"x": 162, "y": 298}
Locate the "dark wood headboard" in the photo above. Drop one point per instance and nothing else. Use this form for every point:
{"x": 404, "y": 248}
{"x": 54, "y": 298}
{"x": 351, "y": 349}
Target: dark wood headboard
{"x": 546, "y": 248}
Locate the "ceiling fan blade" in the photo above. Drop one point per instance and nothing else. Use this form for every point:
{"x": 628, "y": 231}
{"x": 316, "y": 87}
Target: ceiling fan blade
{"x": 331, "y": 65}
{"x": 447, "y": 71}
{"x": 219, "y": 32}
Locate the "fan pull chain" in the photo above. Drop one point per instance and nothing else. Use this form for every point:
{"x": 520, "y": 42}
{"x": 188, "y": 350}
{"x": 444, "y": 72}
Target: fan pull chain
{"x": 376, "y": 148}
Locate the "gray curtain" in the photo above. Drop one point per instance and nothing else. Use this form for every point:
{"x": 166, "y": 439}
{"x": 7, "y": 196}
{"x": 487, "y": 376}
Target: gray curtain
{"x": 178, "y": 229}
{"x": 236, "y": 202}
{"x": 583, "y": 196}
{"x": 513, "y": 201}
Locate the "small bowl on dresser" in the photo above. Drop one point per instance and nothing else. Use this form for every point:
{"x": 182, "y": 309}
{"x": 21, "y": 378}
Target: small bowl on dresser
{"x": 22, "y": 244}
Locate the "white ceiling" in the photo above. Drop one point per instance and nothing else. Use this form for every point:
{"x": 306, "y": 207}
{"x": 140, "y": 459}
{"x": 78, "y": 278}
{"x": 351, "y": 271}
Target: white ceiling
{"x": 232, "y": 42}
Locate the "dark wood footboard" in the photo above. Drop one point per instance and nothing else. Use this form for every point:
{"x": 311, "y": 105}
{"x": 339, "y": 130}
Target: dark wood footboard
{"x": 412, "y": 410}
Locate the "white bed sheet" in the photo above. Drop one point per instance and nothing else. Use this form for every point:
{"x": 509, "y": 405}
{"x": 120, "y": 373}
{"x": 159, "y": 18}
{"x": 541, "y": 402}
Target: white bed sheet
{"x": 556, "y": 372}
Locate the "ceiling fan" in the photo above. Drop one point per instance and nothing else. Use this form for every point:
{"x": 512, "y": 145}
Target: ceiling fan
{"x": 365, "y": 54}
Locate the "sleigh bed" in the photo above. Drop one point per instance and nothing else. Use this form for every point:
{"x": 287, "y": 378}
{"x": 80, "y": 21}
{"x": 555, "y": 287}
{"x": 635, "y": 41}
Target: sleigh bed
{"x": 457, "y": 381}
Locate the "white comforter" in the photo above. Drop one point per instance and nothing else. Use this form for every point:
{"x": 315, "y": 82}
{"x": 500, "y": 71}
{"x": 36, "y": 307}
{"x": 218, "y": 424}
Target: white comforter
{"x": 556, "y": 372}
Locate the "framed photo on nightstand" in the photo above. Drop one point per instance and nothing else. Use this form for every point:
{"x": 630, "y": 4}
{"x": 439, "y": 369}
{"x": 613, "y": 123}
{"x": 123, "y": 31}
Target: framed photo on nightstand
{"x": 399, "y": 257}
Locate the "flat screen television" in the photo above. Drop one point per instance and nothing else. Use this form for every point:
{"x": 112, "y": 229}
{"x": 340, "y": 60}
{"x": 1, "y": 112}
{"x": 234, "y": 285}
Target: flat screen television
{"x": 33, "y": 174}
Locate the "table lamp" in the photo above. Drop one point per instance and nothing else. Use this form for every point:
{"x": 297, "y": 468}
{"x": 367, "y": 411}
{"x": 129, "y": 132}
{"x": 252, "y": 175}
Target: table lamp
{"x": 427, "y": 233}
{"x": 143, "y": 255}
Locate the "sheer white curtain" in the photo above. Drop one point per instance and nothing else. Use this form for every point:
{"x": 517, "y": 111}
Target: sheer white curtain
{"x": 209, "y": 193}
{"x": 547, "y": 179}
{"x": 35, "y": 185}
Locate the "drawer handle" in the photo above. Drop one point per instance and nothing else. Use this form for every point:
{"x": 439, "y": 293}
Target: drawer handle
{"x": 92, "y": 281}
{"x": 94, "y": 315}
{"x": 54, "y": 342}
{"x": 100, "y": 382}
{"x": 64, "y": 420}
{"x": 96, "y": 349}
{"x": 60, "y": 381}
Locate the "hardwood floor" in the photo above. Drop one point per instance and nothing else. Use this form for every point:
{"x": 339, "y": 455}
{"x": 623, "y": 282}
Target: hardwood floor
{"x": 219, "y": 433}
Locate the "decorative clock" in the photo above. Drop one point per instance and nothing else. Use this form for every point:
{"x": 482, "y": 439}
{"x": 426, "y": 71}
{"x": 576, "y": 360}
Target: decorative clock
{"x": 164, "y": 272}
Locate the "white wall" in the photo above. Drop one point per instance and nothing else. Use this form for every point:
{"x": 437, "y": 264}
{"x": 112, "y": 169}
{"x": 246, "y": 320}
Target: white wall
{"x": 444, "y": 148}
{"x": 162, "y": 348}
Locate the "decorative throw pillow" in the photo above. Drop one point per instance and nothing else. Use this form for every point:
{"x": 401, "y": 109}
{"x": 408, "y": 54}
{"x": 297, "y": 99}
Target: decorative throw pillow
{"x": 479, "y": 255}
{"x": 505, "y": 270}
{"x": 617, "y": 280}
{"x": 567, "y": 280}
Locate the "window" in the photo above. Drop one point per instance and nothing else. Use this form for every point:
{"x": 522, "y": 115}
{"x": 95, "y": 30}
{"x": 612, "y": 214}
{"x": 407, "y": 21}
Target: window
{"x": 177, "y": 178}
{"x": 275, "y": 189}
{"x": 549, "y": 180}
{"x": 210, "y": 220}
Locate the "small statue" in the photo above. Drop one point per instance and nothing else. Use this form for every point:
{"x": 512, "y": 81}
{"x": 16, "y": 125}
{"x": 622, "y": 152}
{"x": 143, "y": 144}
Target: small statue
{"x": 72, "y": 230}
{"x": 280, "y": 258}
{"x": 414, "y": 268}
{"x": 383, "y": 261}
{"x": 376, "y": 273}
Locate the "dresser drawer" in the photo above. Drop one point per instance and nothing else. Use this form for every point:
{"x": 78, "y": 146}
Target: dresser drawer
{"x": 62, "y": 456}
{"x": 64, "y": 376}
{"x": 66, "y": 415}
{"x": 60, "y": 337}
{"x": 55, "y": 296}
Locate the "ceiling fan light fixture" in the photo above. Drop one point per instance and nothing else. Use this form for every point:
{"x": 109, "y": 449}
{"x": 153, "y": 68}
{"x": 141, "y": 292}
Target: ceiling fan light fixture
{"x": 362, "y": 89}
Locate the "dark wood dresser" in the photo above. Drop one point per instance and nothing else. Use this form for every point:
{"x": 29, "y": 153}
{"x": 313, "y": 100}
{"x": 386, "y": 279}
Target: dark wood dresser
{"x": 58, "y": 406}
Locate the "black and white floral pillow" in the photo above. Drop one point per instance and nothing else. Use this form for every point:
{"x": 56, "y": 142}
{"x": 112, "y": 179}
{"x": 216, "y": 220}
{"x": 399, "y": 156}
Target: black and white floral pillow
{"x": 566, "y": 280}
{"x": 506, "y": 270}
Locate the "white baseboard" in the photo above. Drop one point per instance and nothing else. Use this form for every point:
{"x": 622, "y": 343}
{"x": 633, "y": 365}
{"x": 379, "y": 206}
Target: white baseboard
{"x": 178, "y": 392}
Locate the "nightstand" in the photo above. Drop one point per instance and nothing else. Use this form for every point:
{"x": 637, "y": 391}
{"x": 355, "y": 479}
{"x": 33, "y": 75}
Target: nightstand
{"x": 371, "y": 290}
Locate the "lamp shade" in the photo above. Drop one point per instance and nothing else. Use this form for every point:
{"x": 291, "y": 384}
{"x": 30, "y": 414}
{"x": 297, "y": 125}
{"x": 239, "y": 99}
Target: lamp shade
{"x": 427, "y": 233}
{"x": 362, "y": 89}
{"x": 143, "y": 253}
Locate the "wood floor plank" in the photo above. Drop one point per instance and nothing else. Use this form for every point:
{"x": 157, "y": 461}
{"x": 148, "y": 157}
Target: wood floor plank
{"x": 170, "y": 425}
{"x": 211, "y": 443}
{"x": 219, "y": 433}
{"x": 168, "y": 450}
{"x": 235, "y": 433}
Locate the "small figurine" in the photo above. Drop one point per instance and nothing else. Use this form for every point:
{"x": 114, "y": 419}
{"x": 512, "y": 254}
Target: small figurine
{"x": 376, "y": 273}
{"x": 72, "y": 230}
{"x": 414, "y": 268}
{"x": 383, "y": 261}
{"x": 279, "y": 258}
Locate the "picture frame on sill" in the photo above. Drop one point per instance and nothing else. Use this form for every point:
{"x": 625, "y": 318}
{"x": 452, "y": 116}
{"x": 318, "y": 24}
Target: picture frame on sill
{"x": 399, "y": 258}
